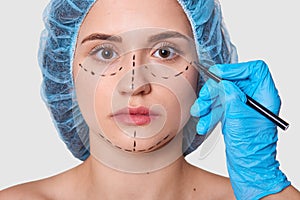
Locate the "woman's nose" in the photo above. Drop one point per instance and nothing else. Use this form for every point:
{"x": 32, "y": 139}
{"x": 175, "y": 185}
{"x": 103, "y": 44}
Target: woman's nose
{"x": 142, "y": 90}
{"x": 135, "y": 81}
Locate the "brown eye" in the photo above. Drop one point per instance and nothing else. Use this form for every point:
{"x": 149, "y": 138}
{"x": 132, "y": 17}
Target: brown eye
{"x": 165, "y": 53}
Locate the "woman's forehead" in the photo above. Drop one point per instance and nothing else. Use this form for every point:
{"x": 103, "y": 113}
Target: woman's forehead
{"x": 114, "y": 17}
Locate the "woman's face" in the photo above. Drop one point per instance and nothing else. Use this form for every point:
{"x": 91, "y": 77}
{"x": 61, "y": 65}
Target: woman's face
{"x": 133, "y": 75}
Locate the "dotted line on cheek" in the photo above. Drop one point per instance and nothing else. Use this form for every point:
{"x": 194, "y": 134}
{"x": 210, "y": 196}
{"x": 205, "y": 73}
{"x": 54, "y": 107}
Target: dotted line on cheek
{"x": 168, "y": 77}
{"x": 132, "y": 72}
{"x": 102, "y": 75}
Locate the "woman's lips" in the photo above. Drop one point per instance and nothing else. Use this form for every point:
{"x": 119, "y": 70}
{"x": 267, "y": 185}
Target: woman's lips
{"x": 138, "y": 116}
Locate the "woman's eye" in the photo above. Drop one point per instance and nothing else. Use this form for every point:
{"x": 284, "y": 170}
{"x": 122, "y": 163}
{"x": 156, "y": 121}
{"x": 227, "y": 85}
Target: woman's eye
{"x": 106, "y": 54}
{"x": 165, "y": 53}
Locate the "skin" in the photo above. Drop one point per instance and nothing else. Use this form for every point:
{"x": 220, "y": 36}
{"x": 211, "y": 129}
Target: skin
{"x": 94, "y": 180}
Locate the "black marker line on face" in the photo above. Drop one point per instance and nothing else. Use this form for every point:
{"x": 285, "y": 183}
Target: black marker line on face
{"x": 133, "y": 60}
{"x": 117, "y": 147}
{"x": 133, "y": 72}
{"x": 167, "y": 77}
{"x": 135, "y": 144}
{"x": 102, "y": 75}
{"x": 180, "y": 73}
{"x": 132, "y": 85}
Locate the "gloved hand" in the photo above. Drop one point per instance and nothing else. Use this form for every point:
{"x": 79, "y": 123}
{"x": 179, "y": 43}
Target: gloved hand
{"x": 250, "y": 138}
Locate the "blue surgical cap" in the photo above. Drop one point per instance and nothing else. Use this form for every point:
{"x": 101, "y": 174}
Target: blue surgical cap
{"x": 62, "y": 19}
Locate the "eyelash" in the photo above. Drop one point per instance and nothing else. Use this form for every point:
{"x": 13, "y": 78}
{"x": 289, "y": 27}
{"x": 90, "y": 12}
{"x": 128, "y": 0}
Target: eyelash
{"x": 168, "y": 45}
{"x": 163, "y": 45}
{"x": 97, "y": 49}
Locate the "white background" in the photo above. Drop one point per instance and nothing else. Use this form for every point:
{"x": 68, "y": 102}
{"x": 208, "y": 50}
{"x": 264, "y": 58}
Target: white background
{"x": 30, "y": 148}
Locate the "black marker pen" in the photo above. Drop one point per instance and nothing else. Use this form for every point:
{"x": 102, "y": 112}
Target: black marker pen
{"x": 250, "y": 102}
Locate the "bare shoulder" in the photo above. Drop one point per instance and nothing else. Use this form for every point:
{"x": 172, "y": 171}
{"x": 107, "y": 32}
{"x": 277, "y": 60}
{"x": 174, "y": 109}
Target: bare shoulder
{"x": 45, "y": 189}
{"x": 30, "y": 190}
{"x": 208, "y": 185}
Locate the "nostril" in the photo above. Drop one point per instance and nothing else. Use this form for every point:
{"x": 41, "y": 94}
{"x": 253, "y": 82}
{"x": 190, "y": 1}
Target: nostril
{"x": 142, "y": 90}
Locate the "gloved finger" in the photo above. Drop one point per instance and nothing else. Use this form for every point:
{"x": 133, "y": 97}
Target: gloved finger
{"x": 200, "y": 107}
{"x": 203, "y": 107}
{"x": 238, "y": 115}
{"x": 209, "y": 121}
{"x": 253, "y": 70}
{"x": 207, "y": 97}
{"x": 232, "y": 99}
{"x": 254, "y": 79}
{"x": 244, "y": 74}
{"x": 209, "y": 90}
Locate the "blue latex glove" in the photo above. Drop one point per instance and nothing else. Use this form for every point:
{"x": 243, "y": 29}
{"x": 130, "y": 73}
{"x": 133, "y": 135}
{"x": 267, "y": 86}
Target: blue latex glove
{"x": 250, "y": 138}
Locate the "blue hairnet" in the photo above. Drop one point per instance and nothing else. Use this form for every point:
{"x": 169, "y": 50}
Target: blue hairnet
{"x": 62, "y": 19}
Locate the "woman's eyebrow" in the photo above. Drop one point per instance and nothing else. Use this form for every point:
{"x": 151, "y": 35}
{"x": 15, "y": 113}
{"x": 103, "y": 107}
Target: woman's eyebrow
{"x": 102, "y": 36}
{"x": 166, "y": 35}
{"x": 151, "y": 39}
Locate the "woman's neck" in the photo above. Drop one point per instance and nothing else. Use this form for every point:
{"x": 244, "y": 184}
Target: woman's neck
{"x": 130, "y": 162}
{"x": 116, "y": 175}
{"x": 166, "y": 183}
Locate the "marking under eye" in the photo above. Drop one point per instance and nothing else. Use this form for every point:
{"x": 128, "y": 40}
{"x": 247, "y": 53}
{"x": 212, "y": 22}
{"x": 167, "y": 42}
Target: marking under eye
{"x": 178, "y": 74}
{"x": 167, "y": 77}
{"x": 102, "y": 75}
{"x": 153, "y": 74}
